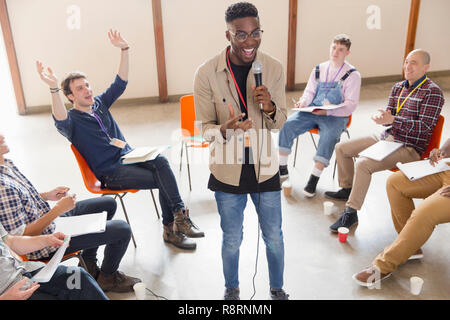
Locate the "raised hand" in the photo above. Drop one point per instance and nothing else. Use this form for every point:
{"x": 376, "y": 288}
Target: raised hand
{"x": 116, "y": 39}
{"x": 48, "y": 77}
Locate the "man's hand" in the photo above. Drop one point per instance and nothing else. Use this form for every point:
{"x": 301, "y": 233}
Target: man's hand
{"x": 234, "y": 123}
{"x": 445, "y": 192}
{"x": 55, "y": 194}
{"x": 55, "y": 239}
{"x": 261, "y": 96}
{"x": 383, "y": 117}
{"x": 3, "y": 146}
{"x": 435, "y": 156}
{"x": 116, "y": 39}
{"x": 65, "y": 204}
{"x": 49, "y": 78}
{"x": 15, "y": 293}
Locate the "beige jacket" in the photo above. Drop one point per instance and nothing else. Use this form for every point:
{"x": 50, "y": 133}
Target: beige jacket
{"x": 214, "y": 89}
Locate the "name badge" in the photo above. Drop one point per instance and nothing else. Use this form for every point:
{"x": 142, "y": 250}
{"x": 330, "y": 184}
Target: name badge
{"x": 117, "y": 143}
{"x": 247, "y": 142}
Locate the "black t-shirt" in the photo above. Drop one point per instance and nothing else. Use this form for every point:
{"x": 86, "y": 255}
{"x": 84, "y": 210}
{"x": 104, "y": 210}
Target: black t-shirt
{"x": 248, "y": 180}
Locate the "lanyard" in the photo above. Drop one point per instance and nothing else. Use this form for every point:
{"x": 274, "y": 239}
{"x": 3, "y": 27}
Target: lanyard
{"x": 399, "y": 106}
{"x": 100, "y": 122}
{"x": 235, "y": 83}
{"x": 328, "y": 69}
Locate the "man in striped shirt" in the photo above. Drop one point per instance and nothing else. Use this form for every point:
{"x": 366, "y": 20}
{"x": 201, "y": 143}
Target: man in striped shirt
{"x": 413, "y": 109}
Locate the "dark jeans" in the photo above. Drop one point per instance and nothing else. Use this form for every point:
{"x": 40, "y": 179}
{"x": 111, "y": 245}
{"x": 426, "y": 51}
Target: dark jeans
{"x": 149, "y": 175}
{"x": 68, "y": 284}
{"x": 116, "y": 237}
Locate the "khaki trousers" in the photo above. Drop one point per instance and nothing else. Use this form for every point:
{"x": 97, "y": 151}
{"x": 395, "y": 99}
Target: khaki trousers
{"x": 358, "y": 175}
{"x": 414, "y": 225}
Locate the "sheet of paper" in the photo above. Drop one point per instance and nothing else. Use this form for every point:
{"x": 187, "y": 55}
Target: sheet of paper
{"x": 47, "y": 272}
{"x": 312, "y": 108}
{"x": 419, "y": 169}
{"x": 79, "y": 225}
{"x": 139, "y": 152}
{"x": 380, "y": 150}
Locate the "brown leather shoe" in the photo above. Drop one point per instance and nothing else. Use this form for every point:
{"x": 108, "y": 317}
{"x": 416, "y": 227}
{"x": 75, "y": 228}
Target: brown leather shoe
{"x": 116, "y": 282}
{"x": 177, "y": 238}
{"x": 185, "y": 225}
{"x": 369, "y": 277}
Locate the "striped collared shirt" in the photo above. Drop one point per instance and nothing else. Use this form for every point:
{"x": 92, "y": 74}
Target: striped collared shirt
{"x": 415, "y": 122}
{"x": 21, "y": 204}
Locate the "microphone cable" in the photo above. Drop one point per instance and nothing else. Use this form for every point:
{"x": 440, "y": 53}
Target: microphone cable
{"x": 259, "y": 204}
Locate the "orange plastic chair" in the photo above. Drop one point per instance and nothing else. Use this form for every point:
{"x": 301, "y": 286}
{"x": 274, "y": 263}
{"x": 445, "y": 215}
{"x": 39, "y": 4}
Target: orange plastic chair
{"x": 94, "y": 186}
{"x": 191, "y": 136}
{"x": 316, "y": 131}
{"x": 435, "y": 140}
{"x": 76, "y": 254}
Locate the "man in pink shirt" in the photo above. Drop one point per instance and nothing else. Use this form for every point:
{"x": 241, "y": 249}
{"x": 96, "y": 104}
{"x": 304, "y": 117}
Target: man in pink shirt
{"x": 333, "y": 87}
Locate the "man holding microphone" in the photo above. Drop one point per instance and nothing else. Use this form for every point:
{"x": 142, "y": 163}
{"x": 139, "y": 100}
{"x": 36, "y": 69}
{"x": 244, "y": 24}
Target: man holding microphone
{"x": 237, "y": 118}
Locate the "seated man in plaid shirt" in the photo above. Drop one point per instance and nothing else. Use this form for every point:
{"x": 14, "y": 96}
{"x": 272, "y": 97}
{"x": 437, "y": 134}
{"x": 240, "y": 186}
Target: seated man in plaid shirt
{"x": 25, "y": 212}
{"x": 413, "y": 109}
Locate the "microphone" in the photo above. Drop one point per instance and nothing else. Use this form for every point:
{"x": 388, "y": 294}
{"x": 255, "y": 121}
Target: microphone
{"x": 257, "y": 72}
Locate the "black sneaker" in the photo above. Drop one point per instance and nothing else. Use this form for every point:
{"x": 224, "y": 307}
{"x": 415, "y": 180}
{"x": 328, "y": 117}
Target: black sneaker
{"x": 342, "y": 194}
{"x": 231, "y": 294}
{"x": 347, "y": 219}
{"x": 284, "y": 173}
{"x": 278, "y": 294}
{"x": 310, "y": 189}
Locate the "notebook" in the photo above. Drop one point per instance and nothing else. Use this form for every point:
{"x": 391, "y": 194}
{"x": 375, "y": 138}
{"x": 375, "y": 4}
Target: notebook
{"x": 419, "y": 169}
{"x": 380, "y": 150}
{"x": 143, "y": 154}
{"x": 79, "y": 225}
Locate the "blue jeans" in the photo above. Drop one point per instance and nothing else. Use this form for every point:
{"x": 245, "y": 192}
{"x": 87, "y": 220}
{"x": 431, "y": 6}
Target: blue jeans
{"x": 231, "y": 209}
{"x": 154, "y": 174}
{"x": 116, "y": 237}
{"x": 57, "y": 287}
{"x": 330, "y": 130}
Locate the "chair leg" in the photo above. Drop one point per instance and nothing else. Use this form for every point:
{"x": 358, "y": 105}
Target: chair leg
{"x": 126, "y": 215}
{"x": 314, "y": 141}
{"x": 181, "y": 154}
{"x": 154, "y": 202}
{"x": 295, "y": 154}
{"x": 81, "y": 261}
{"x": 189, "y": 171}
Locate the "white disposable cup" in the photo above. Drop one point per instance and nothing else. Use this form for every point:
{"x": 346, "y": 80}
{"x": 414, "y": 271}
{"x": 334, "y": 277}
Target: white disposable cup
{"x": 139, "y": 290}
{"x": 416, "y": 285}
{"x": 287, "y": 188}
{"x": 328, "y": 207}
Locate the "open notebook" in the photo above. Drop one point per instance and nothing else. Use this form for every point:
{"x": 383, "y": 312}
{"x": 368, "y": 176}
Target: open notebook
{"x": 79, "y": 225}
{"x": 419, "y": 169}
{"x": 143, "y": 154}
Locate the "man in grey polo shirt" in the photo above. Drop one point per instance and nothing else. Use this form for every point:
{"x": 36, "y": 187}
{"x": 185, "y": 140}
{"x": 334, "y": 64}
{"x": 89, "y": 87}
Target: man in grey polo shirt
{"x": 15, "y": 275}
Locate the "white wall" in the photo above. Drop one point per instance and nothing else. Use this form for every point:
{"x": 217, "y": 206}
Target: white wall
{"x": 194, "y": 30}
{"x": 375, "y": 52}
{"x": 40, "y": 32}
{"x": 433, "y": 32}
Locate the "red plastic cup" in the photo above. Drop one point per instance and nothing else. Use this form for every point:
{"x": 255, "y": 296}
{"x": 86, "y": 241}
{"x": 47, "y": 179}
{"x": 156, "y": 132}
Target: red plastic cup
{"x": 343, "y": 233}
